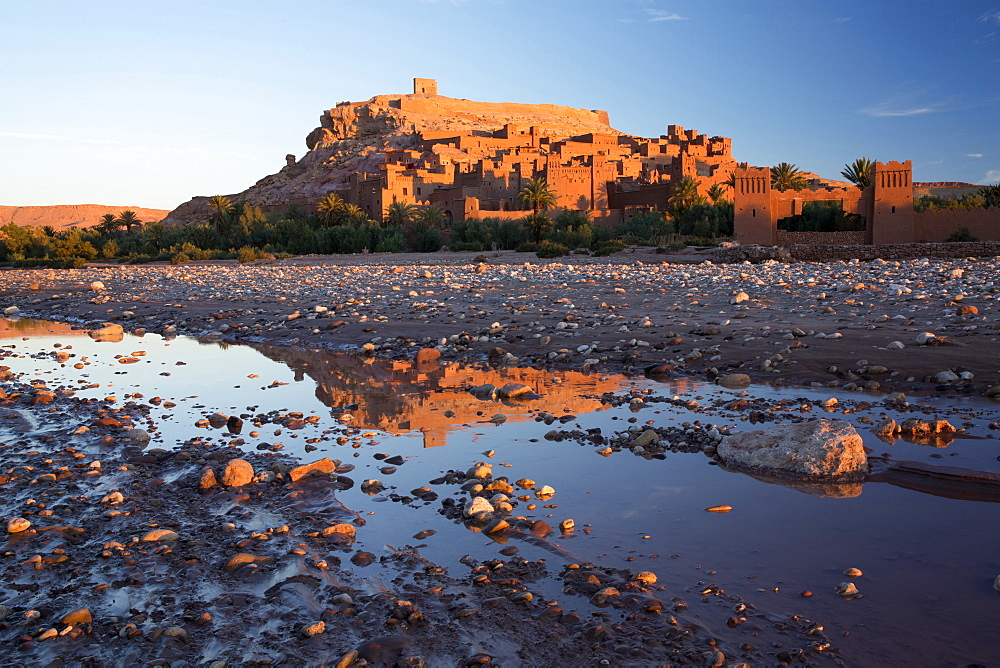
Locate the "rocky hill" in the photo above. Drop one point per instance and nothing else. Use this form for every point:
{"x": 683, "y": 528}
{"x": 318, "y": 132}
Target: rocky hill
{"x": 63, "y": 216}
{"x": 354, "y": 136}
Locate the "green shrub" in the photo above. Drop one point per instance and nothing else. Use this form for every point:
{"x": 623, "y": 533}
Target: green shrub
{"x": 392, "y": 241}
{"x": 425, "y": 239}
{"x": 110, "y": 249}
{"x": 510, "y": 234}
{"x": 962, "y": 234}
{"x": 547, "y": 249}
{"x": 247, "y": 254}
{"x": 573, "y": 236}
{"x": 608, "y": 247}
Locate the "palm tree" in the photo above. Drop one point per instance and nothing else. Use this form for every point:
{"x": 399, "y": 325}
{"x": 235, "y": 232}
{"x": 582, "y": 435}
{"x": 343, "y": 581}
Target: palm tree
{"x": 537, "y": 195}
{"x": 353, "y": 213}
{"x": 685, "y": 194}
{"x": 222, "y": 204}
{"x": 128, "y": 219}
{"x": 156, "y": 233}
{"x": 223, "y": 213}
{"x": 330, "y": 208}
{"x": 537, "y": 224}
{"x": 109, "y": 225}
{"x": 860, "y": 172}
{"x": 432, "y": 216}
{"x": 400, "y": 213}
{"x": 730, "y": 182}
{"x": 990, "y": 195}
{"x": 786, "y": 176}
{"x": 717, "y": 194}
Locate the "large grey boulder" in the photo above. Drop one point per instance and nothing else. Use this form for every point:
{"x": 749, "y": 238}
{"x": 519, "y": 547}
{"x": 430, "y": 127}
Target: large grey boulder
{"x": 814, "y": 448}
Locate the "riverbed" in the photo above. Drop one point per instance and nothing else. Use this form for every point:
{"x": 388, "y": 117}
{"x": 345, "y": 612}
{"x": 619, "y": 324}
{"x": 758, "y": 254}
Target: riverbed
{"x": 927, "y": 561}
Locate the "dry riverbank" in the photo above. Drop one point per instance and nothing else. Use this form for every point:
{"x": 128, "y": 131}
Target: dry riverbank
{"x": 845, "y": 324}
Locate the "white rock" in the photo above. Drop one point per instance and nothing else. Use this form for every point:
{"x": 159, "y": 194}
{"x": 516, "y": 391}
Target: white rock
{"x": 476, "y": 505}
{"x": 895, "y": 345}
{"x": 97, "y": 285}
{"x": 923, "y": 338}
{"x": 945, "y": 377}
{"x": 812, "y": 448}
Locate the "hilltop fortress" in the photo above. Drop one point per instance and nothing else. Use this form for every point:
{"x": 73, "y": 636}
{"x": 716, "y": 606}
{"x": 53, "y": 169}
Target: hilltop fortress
{"x": 473, "y": 158}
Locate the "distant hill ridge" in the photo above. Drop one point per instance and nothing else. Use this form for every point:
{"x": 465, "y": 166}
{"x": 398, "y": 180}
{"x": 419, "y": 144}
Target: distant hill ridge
{"x": 62, "y": 216}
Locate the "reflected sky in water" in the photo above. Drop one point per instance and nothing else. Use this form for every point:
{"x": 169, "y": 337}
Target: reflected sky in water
{"x": 928, "y": 561}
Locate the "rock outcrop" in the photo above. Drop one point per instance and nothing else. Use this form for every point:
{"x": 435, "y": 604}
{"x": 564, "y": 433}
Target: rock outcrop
{"x": 353, "y": 137}
{"x": 815, "y": 448}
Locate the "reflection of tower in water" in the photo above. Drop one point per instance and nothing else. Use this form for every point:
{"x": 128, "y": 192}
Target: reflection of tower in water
{"x": 400, "y": 397}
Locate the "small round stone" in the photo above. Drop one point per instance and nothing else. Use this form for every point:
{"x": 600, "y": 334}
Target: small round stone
{"x": 17, "y": 525}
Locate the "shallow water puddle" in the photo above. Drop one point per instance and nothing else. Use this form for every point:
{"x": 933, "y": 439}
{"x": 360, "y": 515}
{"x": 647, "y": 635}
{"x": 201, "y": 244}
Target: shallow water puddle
{"x": 928, "y": 560}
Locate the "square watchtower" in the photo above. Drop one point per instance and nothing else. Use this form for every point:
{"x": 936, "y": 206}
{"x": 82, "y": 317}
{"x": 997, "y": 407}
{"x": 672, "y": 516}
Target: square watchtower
{"x": 425, "y": 86}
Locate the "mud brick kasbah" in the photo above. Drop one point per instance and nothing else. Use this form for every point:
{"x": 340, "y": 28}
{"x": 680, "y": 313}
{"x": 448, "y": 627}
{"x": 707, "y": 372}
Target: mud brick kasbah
{"x": 471, "y": 159}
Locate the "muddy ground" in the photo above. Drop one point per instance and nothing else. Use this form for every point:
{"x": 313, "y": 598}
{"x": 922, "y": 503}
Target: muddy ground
{"x": 118, "y": 554}
{"x": 127, "y": 558}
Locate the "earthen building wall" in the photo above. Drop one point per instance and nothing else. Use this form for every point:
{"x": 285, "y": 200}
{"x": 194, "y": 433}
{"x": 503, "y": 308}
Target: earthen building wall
{"x": 984, "y": 224}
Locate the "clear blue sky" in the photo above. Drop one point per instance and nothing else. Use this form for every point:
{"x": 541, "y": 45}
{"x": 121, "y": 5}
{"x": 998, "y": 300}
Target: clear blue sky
{"x": 148, "y": 103}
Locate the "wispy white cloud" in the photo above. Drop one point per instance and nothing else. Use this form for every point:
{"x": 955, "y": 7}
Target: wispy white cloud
{"x": 885, "y": 110}
{"x": 663, "y": 15}
{"x": 626, "y": 20}
{"x": 973, "y": 155}
{"x": 991, "y": 17}
{"x": 843, "y": 19}
{"x": 992, "y": 176}
{"x": 905, "y": 100}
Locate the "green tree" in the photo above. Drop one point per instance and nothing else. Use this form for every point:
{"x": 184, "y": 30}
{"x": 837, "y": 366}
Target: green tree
{"x": 717, "y": 194}
{"x": 537, "y": 195}
{"x": 400, "y": 213}
{"x": 156, "y": 234}
{"x": 353, "y": 214}
{"x": 330, "y": 208}
{"x": 684, "y": 196}
{"x": 222, "y": 218}
{"x": 128, "y": 219}
{"x": 222, "y": 204}
{"x": 730, "y": 181}
{"x": 786, "y": 176}
{"x": 109, "y": 225}
{"x": 432, "y": 216}
{"x": 110, "y": 249}
{"x": 860, "y": 172}
{"x": 990, "y": 195}
{"x": 537, "y": 224}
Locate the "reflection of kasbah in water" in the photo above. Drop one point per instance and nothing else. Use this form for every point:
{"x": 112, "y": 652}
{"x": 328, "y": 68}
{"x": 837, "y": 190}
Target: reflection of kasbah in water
{"x": 400, "y": 397}
{"x": 10, "y": 329}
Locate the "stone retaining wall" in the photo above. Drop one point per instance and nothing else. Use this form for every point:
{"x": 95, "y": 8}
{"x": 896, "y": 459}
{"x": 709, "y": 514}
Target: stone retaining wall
{"x": 845, "y": 238}
{"x": 809, "y": 253}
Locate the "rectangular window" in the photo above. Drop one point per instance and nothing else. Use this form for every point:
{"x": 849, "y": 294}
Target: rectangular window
{"x": 404, "y": 192}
